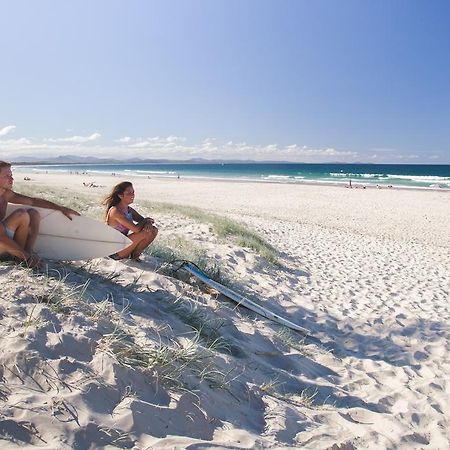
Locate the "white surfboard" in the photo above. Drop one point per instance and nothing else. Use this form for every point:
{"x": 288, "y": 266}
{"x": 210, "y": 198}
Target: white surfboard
{"x": 241, "y": 300}
{"x": 76, "y": 239}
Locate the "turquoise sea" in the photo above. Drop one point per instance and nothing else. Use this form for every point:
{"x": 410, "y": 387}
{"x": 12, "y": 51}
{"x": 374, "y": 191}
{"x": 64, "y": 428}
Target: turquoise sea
{"x": 404, "y": 175}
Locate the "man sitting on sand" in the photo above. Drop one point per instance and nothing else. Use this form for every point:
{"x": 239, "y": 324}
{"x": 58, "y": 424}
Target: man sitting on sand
{"x": 18, "y": 231}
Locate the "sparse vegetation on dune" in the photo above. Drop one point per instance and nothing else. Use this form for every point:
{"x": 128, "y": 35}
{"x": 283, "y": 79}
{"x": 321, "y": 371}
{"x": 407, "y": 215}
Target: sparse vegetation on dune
{"x": 173, "y": 251}
{"x": 135, "y": 337}
{"x": 177, "y": 359}
{"x": 223, "y": 227}
{"x": 88, "y": 205}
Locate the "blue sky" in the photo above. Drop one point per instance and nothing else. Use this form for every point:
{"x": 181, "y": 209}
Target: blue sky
{"x": 311, "y": 81}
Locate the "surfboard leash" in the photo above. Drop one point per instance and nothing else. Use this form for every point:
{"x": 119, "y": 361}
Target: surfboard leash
{"x": 182, "y": 263}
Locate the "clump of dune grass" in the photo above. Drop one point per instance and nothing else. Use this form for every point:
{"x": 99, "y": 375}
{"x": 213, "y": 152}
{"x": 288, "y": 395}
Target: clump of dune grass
{"x": 175, "y": 247}
{"x": 271, "y": 386}
{"x": 305, "y": 398}
{"x": 245, "y": 238}
{"x": 302, "y": 398}
{"x": 223, "y": 227}
{"x": 54, "y": 289}
{"x": 207, "y": 327}
{"x": 292, "y": 340}
{"x": 61, "y": 296}
{"x": 172, "y": 360}
{"x": 173, "y": 251}
{"x": 34, "y": 320}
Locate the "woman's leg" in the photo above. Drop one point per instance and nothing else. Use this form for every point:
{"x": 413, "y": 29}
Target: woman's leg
{"x": 142, "y": 245}
{"x": 136, "y": 239}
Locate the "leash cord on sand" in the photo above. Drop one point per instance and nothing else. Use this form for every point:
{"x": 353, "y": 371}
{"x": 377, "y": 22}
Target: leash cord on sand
{"x": 182, "y": 263}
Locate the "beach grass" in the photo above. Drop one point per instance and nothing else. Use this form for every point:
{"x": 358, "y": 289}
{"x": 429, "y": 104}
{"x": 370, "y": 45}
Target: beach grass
{"x": 172, "y": 251}
{"x": 174, "y": 360}
{"x": 225, "y": 228}
{"x": 88, "y": 205}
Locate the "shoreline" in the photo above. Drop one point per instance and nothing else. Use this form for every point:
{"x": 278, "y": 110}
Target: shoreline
{"x": 356, "y": 184}
{"x": 376, "y": 211}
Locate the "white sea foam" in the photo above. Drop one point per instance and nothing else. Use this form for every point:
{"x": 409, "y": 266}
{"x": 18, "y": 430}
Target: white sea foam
{"x": 170, "y": 172}
{"x": 278, "y": 177}
{"x": 39, "y": 170}
{"x": 422, "y": 178}
{"x": 357, "y": 175}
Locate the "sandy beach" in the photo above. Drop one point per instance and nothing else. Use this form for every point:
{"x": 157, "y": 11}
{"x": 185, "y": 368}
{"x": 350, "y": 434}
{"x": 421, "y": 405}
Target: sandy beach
{"x": 110, "y": 354}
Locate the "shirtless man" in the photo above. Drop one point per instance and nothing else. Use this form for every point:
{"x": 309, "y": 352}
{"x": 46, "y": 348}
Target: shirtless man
{"x": 18, "y": 231}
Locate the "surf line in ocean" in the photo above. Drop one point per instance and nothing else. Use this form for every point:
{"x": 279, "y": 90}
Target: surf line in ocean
{"x": 240, "y": 299}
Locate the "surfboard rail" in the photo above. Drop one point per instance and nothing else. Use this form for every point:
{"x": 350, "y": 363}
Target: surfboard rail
{"x": 241, "y": 300}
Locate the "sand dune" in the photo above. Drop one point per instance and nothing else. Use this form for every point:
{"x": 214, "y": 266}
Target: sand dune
{"x": 110, "y": 354}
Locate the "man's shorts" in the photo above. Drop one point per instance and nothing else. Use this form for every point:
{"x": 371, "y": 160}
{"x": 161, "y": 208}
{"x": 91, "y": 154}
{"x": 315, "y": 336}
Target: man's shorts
{"x": 9, "y": 233}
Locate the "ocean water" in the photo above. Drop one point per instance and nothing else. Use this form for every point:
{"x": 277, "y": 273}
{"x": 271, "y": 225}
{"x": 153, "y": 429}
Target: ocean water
{"x": 404, "y": 175}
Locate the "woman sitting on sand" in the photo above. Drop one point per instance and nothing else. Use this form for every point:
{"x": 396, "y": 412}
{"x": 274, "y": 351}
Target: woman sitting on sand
{"x": 120, "y": 216}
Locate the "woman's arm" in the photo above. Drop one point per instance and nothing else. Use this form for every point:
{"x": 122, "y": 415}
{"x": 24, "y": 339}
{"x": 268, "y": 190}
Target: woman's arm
{"x": 138, "y": 218}
{"x": 145, "y": 223}
{"x": 117, "y": 217}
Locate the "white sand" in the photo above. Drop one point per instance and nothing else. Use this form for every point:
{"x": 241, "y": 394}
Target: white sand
{"x": 366, "y": 271}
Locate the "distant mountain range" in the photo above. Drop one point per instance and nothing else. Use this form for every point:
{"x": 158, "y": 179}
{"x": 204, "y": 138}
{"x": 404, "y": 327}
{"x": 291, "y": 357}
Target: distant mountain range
{"x": 73, "y": 159}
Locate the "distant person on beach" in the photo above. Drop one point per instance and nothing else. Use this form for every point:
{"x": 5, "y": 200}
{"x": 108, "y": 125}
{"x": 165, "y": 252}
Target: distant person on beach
{"x": 125, "y": 219}
{"x": 19, "y": 230}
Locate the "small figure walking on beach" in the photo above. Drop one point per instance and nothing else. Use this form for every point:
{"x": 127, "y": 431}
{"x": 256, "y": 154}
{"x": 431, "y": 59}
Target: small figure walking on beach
{"x": 122, "y": 217}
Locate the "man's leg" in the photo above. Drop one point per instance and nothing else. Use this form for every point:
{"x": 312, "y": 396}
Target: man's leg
{"x": 19, "y": 223}
{"x": 23, "y": 226}
{"x": 4, "y": 238}
{"x": 8, "y": 246}
{"x": 33, "y": 230}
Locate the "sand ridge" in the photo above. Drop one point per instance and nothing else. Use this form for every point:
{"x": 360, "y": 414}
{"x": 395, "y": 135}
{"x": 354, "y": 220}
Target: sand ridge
{"x": 366, "y": 271}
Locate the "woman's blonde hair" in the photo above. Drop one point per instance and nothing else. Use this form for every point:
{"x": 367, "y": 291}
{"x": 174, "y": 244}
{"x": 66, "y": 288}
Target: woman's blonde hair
{"x": 113, "y": 199}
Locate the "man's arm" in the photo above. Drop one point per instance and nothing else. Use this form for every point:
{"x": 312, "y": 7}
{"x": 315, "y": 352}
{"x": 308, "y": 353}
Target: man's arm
{"x": 21, "y": 199}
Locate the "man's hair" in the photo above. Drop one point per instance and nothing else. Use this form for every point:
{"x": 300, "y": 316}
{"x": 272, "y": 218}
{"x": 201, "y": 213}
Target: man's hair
{"x": 4, "y": 164}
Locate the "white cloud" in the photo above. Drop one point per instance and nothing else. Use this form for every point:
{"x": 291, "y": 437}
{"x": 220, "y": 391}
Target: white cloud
{"x": 76, "y": 139}
{"x": 384, "y": 150}
{"x": 171, "y": 147}
{"x": 173, "y": 139}
{"x": 142, "y": 144}
{"x": 176, "y": 148}
{"x": 17, "y": 143}
{"x": 401, "y": 157}
{"x": 5, "y": 130}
